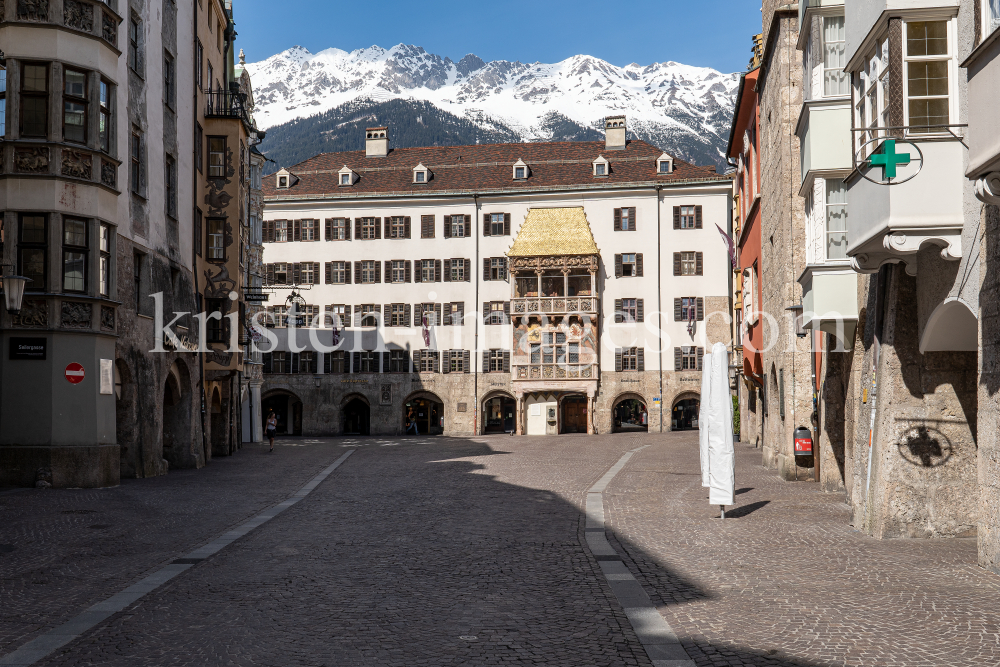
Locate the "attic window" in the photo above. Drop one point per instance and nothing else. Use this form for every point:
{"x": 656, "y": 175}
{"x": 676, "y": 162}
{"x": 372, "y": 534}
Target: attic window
{"x": 520, "y": 170}
{"x": 283, "y": 182}
{"x": 664, "y": 164}
{"x": 345, "y": 179}
{"x": 601, "y": 166}
{"x": 421, "y": 174}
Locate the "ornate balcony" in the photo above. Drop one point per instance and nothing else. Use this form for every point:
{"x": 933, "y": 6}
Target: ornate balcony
{"x": 555, "y": 371}
{"x": 554, "y": 305}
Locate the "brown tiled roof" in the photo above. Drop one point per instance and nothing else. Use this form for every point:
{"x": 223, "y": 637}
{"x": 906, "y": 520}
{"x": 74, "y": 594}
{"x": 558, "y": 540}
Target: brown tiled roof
{"x": 484, "y": 168}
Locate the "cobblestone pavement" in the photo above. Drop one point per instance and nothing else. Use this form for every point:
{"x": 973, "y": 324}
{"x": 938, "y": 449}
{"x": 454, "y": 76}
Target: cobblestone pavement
{"x": 457, "y": 551}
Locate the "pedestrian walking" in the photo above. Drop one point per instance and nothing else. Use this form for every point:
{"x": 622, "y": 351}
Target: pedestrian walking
{"x": 411, "y": 422}
{"x": 272, "y": 427}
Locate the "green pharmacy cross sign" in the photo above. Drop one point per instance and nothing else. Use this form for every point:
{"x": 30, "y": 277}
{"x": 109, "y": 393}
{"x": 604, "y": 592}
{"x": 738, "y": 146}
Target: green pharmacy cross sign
{"x": 888, "y": 158}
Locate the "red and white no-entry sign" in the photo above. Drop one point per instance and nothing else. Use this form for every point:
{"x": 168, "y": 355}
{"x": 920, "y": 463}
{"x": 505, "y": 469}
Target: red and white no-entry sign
{"x": 75, "y": 373}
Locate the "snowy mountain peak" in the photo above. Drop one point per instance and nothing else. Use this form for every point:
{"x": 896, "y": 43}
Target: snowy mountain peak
{"x": 670, "y": 104}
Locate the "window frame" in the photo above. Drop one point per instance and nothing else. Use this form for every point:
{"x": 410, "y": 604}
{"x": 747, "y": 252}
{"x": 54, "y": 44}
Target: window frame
{"x": 105, "y": 248}
{"x": 951, "y": 62}
{"x": 397, "y": 315}
{"x": 397, "y": 271}
{"x": 368, "y": 316}
{"x": 457, "y": 222}
{"x": 689, "y": 357}
{"x": 335, "y": 272}
{"x": 633, "y": 264}
{"x": 627, "y": 219}
{"x": 497, "y": 314}
{"x": 137, "y": 162}
{"x": 369, "y": 228}
{"x": 457, "y": 270}
{"x": 397, "y": 227}
{"x": 498, "y": 268}
{"x": 170, "y": 184}
{"x": 221, "y": 167}
{"x": 169, "y": 80}
{"x": 218, "y": 236}
{"x": 281, "y": 229}
{"x": 630, "y": 359}
{"x": 497, "y": 224}
{"x": 43, "y": 246}
{"x": 689, "y": 260}
{"x": 83, "y": 250}
{"x": 81, "y": 100}
{"x": 688, "y": 219}
{"x": 844, "y": 79}
{"x": 106, "y": 123}
{"x": 134, "y": 43}
{"x": 338, "y": 229}
{"x": 313, "y": 227}
{"x": 990, "y": 21}
{"x": 42, "y": 95}
{"x": 827, "y": 232}
{"x": 630, "y": 310}
{"x": 427, "y": 265}
{"x": 369, "y": 268}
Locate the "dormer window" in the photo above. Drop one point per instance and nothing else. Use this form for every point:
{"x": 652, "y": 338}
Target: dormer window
{"x": 421, "y": 174}
{"x": 346, "y": 177}
{"x": 520, "y": 170}
{"x": 282, "y": 181}
{"x": 601, "y": 166}
{"x": 285, "y": 179}
{"x": 664, "y": 164}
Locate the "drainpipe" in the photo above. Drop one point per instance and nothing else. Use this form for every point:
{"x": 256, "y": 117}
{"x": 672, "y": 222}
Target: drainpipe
{"x": 659, "y": 301}
{"x": 476, "y": 352}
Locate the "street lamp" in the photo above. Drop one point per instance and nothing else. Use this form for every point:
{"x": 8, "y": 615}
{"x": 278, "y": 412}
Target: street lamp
{"x": 13, "y": 291}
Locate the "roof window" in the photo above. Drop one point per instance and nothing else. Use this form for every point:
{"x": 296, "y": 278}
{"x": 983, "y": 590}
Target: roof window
{"x": 421, "y": 174}
{"x": 601, "y": 167}
{"x": 664, "y": 164}
{"x": 521, "y": 171}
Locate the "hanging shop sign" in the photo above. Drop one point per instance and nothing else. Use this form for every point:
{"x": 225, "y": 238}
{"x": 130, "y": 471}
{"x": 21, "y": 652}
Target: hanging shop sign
{"x": 888, "y": 165}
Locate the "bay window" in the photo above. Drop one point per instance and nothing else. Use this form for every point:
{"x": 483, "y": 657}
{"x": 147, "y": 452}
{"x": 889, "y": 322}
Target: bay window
{"x": 834, "y": 57}
{"x": 34, "y": 100}
{"x": 928, "y": 76}
{"x": 104, "y": 266}
{"x": 74, "y": 255}
{"x": 105, "y": 129}
{"x": 836, "y": 219}
{"x": 32, "y": 250}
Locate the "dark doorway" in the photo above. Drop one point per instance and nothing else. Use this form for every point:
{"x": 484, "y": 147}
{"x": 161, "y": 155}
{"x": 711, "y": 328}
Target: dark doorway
{"x": 630, "y": 416}
{"x": 356, "y": 417}
{"x": 574, "y": 414}
{"x": 685, "y": 415}
{"x": 426, "y": 413}
{"x": 498, "y": 415}
{"x": 297, "y": 418}
{"x": 280, "y": 406}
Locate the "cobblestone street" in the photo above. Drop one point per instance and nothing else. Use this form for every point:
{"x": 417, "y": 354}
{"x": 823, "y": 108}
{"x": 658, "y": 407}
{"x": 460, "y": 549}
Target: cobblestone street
{"x": 455, "y": 551}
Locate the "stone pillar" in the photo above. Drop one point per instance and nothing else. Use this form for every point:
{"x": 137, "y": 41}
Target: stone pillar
{"x": 256, "y": 417}
{"x": 590, "y": 414}
{"x": 518, "y": 417}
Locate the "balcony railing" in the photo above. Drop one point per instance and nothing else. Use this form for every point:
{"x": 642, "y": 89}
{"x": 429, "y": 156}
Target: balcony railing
{"x": 555, "y": 371}
{"x": 225, "y": 104}
{"x": 554, "y": 304}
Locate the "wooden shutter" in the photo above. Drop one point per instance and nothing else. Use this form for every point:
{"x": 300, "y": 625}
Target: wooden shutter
{"x": 328, "y": 232}
{"x": 437, "y": 270}
{"x": 406, "y": 227}
{"x": 296, "y": 230}
{"x": 295, "y": 363}
{"x": 387, "y": 314}
{"x": 378, "y": 228}
{"x": 357, "y": 361}
{"x": 486, "y": 312}
{"x": 329, "y": 272}
{"x": 466, "y": 361}
{"x": 447, "y": 226}
{"x": 460, "y": 311}
{"x": 270, "y": 274}
{"x": 486, "y": 224}
{"x": 640, "y": 359}
{"x": 677, "y": 358}
{"x": 486, "y": 361}
{"x": 618, "y": 311}
{"x": 407, "y": 271}
{"x": 315, "y": 273}
{"x": 347, "y": 229}
{"x": 468, "y": 225}
{"x": 631, "y": 219}
{"x": 506, "y": 361}
{"x": 677, "y": 264}
{"x": 357, "y": 273}
{"x": 388, "y": 227}
{"x": 347, "y": 320}
{"x": 638, "y": 264}
{"x": 700, "y": 308}
{"x": 638, "y": 310}
{"x": 357, "y": 314}
{"x": 427, "y": 226}
{"x": 406, "y": 315}
{"x": 446, "y": 362}
{"x": 327, "y": 362}
{"x": 506, "y": 224}
{"x": 296, "y": 270}
{"x": 378, "y": 272}
{"x": 618, "y": 360}
{"x": 678, "y": 311}
{"x": 347, "y": 273}
{"x": 618, "y": 219}
{"x": 701, "y": 357}
{"x": 698, "y": 263}
{"x": 357, "y": 228}
{"x": 418, "y": 266}
{"x": 388, "y": 271}
{"x": 447, "y": 270}
{"x": 506, "y": 312}
{"x": 618, "y": 266}
{"x": 468, "y": 271}
{"x": 417, "y": 312}
{"x": 267, "y": 362}
{"x": 437, "y": 315}
{"x": 697, "y": 216}
{"x": 486, "y": 268}
{"x": 677, "y": 217}
{"x": 407, "y": 365}
{"x": 386, "y": 361}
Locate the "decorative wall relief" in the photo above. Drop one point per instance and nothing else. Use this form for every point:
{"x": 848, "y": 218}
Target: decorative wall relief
{"x": 217, "y": 199}
{"x": 109, "y": 173}
{"x": 76, "y": 315}
{"x": 79, "y": 15}
{"x": 107, "y": 318}
{"x": 33, "y": 160}
{"x": 219, "y": 286}
{"x": 77, "y": 164}
{"x": 34, "y": 313}
{"x": 32, "y": 10}
{"x": 386, "y": 395}
{"x": 109, "y": 29}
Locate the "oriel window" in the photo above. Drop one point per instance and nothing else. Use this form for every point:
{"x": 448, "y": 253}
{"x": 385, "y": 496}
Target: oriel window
{"x": 34, "y": 100}
{"x": 216, "y": 233}
{"x": 74, "y": 255}
{"x": 216, "y": 157}
{"x": 32, "y": 251}
{"x": 104, "y": 263}
{"x": 927, "y": 75}
{"x": 105, "y": 129}
{"x": 75, "y": 106}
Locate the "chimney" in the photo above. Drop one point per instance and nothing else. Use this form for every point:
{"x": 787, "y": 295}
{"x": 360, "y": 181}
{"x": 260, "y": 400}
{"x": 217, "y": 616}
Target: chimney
{"x": 376, "y": 142}
{"x": 614, "y": 133}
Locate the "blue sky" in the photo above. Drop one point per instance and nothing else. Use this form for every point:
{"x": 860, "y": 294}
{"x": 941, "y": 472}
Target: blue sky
{"x": 705, "y": 33}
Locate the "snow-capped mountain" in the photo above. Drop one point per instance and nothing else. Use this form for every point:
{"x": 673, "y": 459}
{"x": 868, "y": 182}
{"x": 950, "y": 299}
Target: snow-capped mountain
{"x": 680, "y": 108}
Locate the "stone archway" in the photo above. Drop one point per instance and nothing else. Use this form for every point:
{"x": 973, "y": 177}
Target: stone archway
{"x": 176, "y": 421}
{"x": 684, "y": 411}
{"x": 426, "y": 410}
{"x": 283, "y": 403}
{"x": 357, "y": 413}
{"x": 499, "y": 413}
{"x": 630, "y": 413}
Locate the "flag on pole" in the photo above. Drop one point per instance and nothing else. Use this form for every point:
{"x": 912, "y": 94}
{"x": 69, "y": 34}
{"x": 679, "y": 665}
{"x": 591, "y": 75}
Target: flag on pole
{"x": 728, "y": 240}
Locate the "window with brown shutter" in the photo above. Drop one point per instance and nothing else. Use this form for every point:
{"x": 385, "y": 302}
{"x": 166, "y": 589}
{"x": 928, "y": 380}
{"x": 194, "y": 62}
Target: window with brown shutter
{"x": 296, "y": 230}
{"x": 638, "y": 264}
{"x": 618, "y": 360}
{"x": 506, "y": 224}
{"x": 697, "y": 217}
{"x": 328, "y": 230}
{"x": 677, "y": 264}
{"x": 468, "y": 271}
{"x": 678, "y": 310}
{"x": 618, "y": 311}
{"x": 486, "y": 268}
{"x": 427, "y": 226}
{"x": 677, "y": 358}
{"x": 640, "y": 359}
{"x": 270, "y": 274}
{"x": 700, "y": 309}
{"x": 618, "y": 219}
{"x": 677, "y": 217}
{"x": 687, "y": 264}
{"x": 618, "y": 266}
{"x": 437, "y": 270}
{"x": 486, "y": 224}
{"x": 699, "y": 264}
{"x": 408, "y": 271}
{"x": 406, "y": 227}
{"x": 638, "y": 310}
{"x": 447, "y": 270}
{"x": 446, "y": 227}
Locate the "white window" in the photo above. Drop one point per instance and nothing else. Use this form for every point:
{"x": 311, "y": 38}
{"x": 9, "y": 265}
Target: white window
{"x": 282, "y": 181}
{"x": 834, "y": 57}
{"x": 420, "y": 176}
{"x": 872, "y": 106}
{"x": 457, "y": 226}
{"x": 307, "y": 273}
{"x": 368, "y": 272}
{"x": 629, "y": 265}
{"x": 280, "y": 231}
{"x": 398, "y": 271}
{"x": 836, "y": 219}
{"x": 338, "y": 273}
{"x": 687, "y": 217}
{"x": 599, "y": 169}
{"x": 519, "y": 172}
{"x": 338, "y": 229}
{"x": 628, "y": 310}
{"x": 308, "y": 230}
{"x": 345, "y": 179}
{"x": 664, "y": 166}
{"x": 427, "y": 270}
{"x": 689, "y": 263}
{"x": 497, "y": 226}
{"x": 457, "y": 270}
{"x": 928, "y": 76}
{"x": 992, "y": 22}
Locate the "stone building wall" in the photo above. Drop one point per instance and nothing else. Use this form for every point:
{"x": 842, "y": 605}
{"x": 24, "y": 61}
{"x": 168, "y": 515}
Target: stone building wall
{"x": 989, "y": 392}
{"x": 787, "y": 362}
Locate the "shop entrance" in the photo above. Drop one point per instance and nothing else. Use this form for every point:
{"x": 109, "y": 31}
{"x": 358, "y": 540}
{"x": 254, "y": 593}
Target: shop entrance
{"x": 574, "y": 414}
{"x": 630, "y": 416}
{"x": 356, "y": 417}
{"x": 279, "y": 404}
{"x": 426, "y": 413}
{"x": 498, "y": 415}
{"x": 685, "y": 415}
